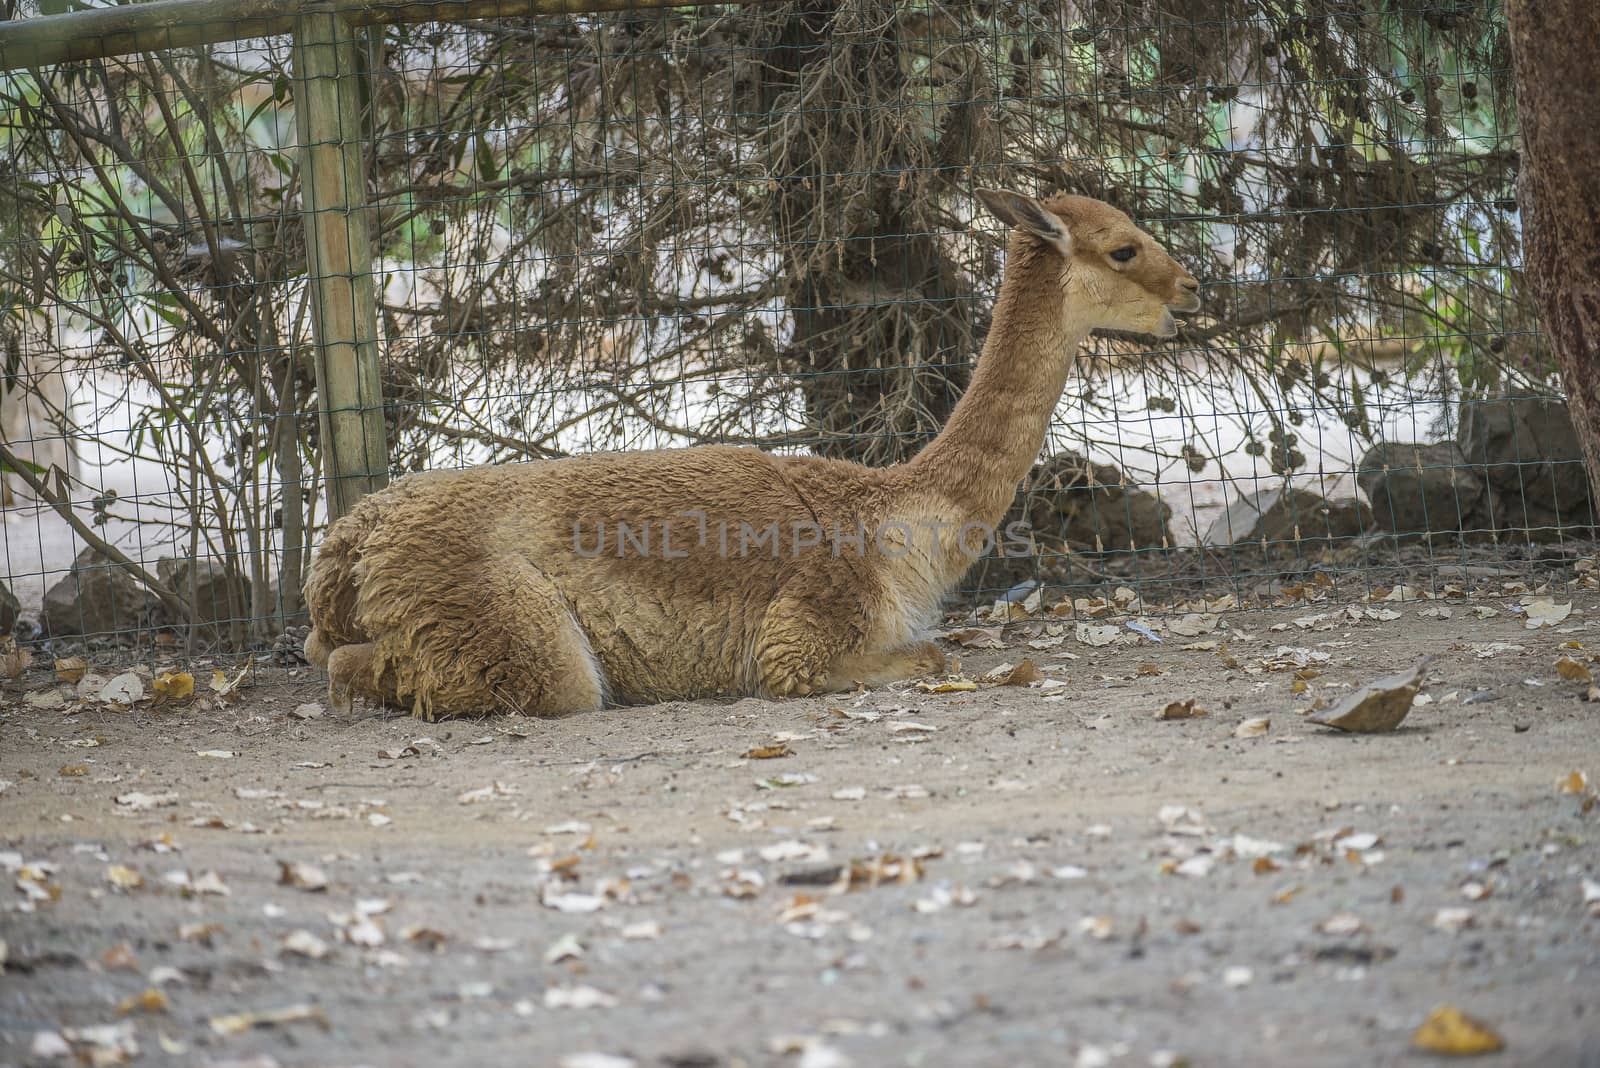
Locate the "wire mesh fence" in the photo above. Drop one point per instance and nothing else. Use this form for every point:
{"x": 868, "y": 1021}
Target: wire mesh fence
{"x": 753, "y": 224}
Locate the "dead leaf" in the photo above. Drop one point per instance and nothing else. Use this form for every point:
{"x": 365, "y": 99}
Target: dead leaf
{"x": 73, "y": 771}
{"x": 1021, "y": 675}
{"x": 1574, "y": 782}
{"x": 1228, "y": 660}
{"x": 1253, "y": 728}
{"x": 1185, "y": 709}
{"x": 1096, "y": 636}
{"x": 1543, "y": 612}
{"x": 976, "y": 638}
{"x": 142, "y": 802}
{"x": 123, "y": 877}
{"x": 303, "y": 943}
{"x": 301, "y": 876}
{"x": 1573, "y": 670}
{"x": 151, "y": 1000}
{"x": 45, "y": 700}
{"x": 1377, "y": 706}
{"x": 947, "y": 686}
{"x": 71, "y": 668}
{"x": 14, "y": 659}
{"x": 120, "y": 958}
{"x": 1341, "y": 923}
{"x": 223, "y": 686}
{"x": 240, "y": 1022}
{"x": 309, "y": 710}
{"x": 124, "y": 689}
{"x": 768, "y": 752}
{"x": 1450, "y": 1031}
{"x": 174, "y": 685}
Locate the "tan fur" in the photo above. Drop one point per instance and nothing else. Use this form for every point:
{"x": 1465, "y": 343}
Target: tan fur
{"x": 461, "y": 592}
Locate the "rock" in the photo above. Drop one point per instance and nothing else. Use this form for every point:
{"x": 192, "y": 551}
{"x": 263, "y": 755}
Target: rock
{"x": 211, "y": 607}
{"x": 1526, "y": 451}
{"x": 1288, "y": 519}
{"x": 1417, "y": 489}
{"x": 1090, "y": 507}
{"x": 96, "y": 597}
{"x": 10, "y": 608}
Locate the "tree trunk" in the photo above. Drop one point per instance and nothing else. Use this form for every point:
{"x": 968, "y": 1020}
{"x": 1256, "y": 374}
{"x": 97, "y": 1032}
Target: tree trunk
{"x": 885, "y": 326}
{"x": 1557, "y": 67}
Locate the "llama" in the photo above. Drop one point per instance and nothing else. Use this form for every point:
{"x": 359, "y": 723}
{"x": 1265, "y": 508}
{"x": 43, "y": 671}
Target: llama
{"x": 567, "y": 585}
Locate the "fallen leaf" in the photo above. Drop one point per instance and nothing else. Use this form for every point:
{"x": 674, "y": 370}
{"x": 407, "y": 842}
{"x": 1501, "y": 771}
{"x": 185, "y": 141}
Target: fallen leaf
{"x": 768, "y": 752}
{"x": 976, "y": 638}
{"x": 142, "y": 802}
{"x": 1450, "y": 1031}
{"x": 71, "y": 668}
{"x": 149, "y": 1000}
{"x": 174, "y": 685}
{"x": 124, "y": 689}
{"x": 598, "y": 1060}
{"x": 1342, "y": 923}
{"x": 45, "y": 700}
{"x": 1096, "y": 636}
{"x": 567, "y": 947}
{"x": 301, "y": 876}
{"x": 1253, "y": 728}
{"x": 223, "y": 686}
{"x": 216, "y": 754}
{"x": 73, "y": 771}
{"x": 120, "y": 958}
{"x": 1194, "y": 624}
{"x": 123, "y": 877}
{"x": 947, "y": 686}
{"x": 577, "y": 997}
{"x": 911, "y": 727}
{"x": 309, "y": 710}
{"x": 1543, "y": 612}
{"x": 1021, "y": 675}
{"x": 1574, "y": 782}
{"x": 240, "y": 1022}
{"x": 484, "y": 793}
{"x": 302, "y": 943}
{"x": 14, "y": 659}
{"x": 1185, "y": 709}
{"x": 1380, "y": 705}
{"x": 1573, "y": 670}
{"x": 1453, "y": 919}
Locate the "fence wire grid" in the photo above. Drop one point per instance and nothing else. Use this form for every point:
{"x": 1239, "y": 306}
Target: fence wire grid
{"x": 754, "y": 224}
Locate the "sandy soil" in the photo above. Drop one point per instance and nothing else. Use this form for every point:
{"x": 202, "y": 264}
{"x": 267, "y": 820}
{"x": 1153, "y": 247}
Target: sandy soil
{"x": 631, "y": 884}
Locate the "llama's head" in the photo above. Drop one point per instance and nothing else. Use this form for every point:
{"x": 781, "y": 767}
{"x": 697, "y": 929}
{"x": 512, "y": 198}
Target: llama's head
{"x": 1114, "y": 273}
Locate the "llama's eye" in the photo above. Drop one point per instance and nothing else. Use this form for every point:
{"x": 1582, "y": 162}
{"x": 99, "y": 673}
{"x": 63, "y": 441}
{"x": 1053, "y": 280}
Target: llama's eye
{"x": 1123, "y": 255}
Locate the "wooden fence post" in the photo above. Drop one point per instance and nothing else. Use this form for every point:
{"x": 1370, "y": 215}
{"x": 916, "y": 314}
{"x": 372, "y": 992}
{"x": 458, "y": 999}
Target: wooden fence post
{"x": 333, "y": 184}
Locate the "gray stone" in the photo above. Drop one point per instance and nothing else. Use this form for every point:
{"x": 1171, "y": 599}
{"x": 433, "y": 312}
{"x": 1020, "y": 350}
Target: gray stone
{"x": 1417, "y": 489}
{"x": 95, "y": 597}
{"x": 1091, "y": 507}
{"x": 211, "y": 608}
{"x": 1526, "y": 451}
{"x": 1288, "y": 519}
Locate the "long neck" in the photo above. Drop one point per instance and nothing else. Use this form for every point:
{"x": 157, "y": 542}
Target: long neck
{"x": 995, "y": 433}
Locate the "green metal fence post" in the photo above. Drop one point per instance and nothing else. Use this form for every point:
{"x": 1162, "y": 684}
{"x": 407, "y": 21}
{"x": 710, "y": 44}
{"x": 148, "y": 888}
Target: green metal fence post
{"x": 339, "y": 256}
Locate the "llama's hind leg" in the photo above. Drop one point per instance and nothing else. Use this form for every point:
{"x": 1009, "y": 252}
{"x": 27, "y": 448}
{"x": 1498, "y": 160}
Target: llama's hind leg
{"x": 875, "y": 669}
{"x": 352, "y": 670}
{"x": 510, "y": 645}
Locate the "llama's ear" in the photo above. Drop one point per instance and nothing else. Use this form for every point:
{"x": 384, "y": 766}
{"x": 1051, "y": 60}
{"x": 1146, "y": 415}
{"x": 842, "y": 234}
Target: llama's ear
{"x": 1026, "y": 213}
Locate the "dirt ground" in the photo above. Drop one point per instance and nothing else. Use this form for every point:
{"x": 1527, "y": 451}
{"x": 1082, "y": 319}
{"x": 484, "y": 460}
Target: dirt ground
{"x": 1061, "y": 878}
